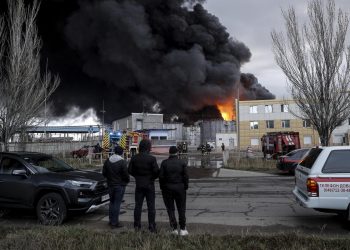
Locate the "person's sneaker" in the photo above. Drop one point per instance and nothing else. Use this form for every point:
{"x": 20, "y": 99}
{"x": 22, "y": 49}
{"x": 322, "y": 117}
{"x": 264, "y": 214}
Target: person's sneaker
{"x": 183, "y": 232}
{"x": 175, "y": 232}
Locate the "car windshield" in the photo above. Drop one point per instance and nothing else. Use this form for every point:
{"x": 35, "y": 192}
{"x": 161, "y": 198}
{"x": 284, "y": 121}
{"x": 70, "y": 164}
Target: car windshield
{"x": 297, "y": 154}
{"x": 44, "y": 164}
{"x": 291, "y": 153}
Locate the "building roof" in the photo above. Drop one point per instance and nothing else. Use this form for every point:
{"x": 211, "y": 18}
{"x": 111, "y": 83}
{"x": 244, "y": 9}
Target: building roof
{"x": 63, "y": 129}
{"x": 154, "y": 129}
{"x": 268, "y": 101}
{"x": 146, "y": 113}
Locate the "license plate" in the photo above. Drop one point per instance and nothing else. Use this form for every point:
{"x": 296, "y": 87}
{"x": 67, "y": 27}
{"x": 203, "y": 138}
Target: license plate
{"x": 105, "y": 197}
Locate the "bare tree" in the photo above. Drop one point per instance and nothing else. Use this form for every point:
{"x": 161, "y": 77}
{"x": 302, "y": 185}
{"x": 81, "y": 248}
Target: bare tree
{"x": 316, "y": 62}
{"x": 23, "y": 89}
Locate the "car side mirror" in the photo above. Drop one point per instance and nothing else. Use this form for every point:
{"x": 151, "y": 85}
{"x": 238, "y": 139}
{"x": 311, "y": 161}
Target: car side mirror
{"x": 20, "y": 172}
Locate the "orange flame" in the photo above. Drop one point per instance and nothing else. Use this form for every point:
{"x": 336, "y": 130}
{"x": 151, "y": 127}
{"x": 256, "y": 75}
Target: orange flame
{"x": 227, "y": 111}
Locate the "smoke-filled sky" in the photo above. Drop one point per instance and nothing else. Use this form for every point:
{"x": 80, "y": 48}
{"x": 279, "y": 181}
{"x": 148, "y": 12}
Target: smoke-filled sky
{"x": 252, "y": 21}
{"x": 184, "y": 55}
{"x": 132, "y": 54}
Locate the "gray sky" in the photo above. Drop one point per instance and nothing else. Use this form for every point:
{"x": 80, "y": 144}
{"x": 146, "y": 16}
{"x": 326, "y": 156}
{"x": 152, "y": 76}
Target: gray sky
{"x": 251, "y": 22}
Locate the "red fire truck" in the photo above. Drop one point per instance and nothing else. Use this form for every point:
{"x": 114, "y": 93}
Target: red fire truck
{"x": 275, "y": 144}
{"x": 130, "y": 142}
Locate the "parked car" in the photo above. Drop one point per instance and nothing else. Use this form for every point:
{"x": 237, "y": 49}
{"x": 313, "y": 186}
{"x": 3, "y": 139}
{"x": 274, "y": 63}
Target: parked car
{"x": 49, "y": 186}
{"x": 81, "y": 152}
{"x": 288, "y": 162}
{"x": 323, "y": 180}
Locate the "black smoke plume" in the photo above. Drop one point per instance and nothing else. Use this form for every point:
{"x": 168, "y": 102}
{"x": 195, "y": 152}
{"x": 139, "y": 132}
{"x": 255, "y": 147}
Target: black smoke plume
{"x": 132, "y": 54}
{"x": 253, "y": 90}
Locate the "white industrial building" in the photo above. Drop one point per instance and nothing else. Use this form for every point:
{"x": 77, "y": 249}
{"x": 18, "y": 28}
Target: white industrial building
{"x": 228, "y": 139}
{"x": 211, "y": 131}
{"x": 175, "y": 130}
{"x": 139, "y": 121}
{"x": 192, "y": 135}
{"x": 340, "y": 135}
{"x": 210, "y": 128}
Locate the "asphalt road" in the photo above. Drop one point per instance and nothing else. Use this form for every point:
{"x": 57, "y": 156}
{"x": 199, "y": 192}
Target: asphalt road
{"x": 244, "y": 202}
{"x": 250, "y": 202}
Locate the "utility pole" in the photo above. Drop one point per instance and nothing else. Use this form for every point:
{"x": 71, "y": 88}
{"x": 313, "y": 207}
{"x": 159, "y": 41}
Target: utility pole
{"x": 45, "y": 121}
{"x": 45, "y": 118}
{"x": 237, "y": 122}
{"x": 103, "y": 111}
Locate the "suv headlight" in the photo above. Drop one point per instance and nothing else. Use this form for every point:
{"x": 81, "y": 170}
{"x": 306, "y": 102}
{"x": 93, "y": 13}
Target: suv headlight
{"x": 83, "y": 184}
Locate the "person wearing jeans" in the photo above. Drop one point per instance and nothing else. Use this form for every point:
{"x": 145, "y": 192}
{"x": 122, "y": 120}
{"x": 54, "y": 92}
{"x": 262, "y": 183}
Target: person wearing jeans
{"x": 144, "y": 168}
{"x": 116, "y": 172}
{"x": 116, "y": 194}
{"x": 173, "y": 179}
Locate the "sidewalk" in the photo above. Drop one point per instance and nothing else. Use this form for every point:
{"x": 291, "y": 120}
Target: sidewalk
{"x": 224, "y": 172}
{"x": 208, "y": 173}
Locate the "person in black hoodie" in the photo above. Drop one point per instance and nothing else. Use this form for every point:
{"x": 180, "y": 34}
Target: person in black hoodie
{"x": 173, "y": 179}
{"x": 116, "y": 171}
{"x": 144, "y": 168}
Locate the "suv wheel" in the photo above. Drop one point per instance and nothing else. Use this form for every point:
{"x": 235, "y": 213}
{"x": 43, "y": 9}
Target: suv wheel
{"x": 51, "y": 209}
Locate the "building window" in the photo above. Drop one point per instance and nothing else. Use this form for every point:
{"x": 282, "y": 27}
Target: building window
{"x": 254, "y": 142}
{"x": 268, "y": 108}
{"x": 270, "y": 124}
{"x": 284, "y": 108}
{"x": 307, "y": 140}
{"x": 285, "y": 124}
{"x": 254, "y": 125}
{"x": 307, "y": 123}
{"x": 253, "y": 109}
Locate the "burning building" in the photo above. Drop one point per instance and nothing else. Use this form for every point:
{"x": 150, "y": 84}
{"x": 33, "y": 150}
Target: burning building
{"x": 248, "y": 89}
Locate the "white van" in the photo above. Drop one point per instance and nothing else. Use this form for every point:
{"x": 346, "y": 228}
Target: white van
{"x": 322, "y": 180}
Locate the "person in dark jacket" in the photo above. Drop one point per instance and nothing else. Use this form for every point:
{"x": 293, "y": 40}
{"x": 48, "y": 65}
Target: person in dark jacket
{"x": 144, "y": 168}
{"x": 173, "y": 179}
{"x": 116, "y": 171}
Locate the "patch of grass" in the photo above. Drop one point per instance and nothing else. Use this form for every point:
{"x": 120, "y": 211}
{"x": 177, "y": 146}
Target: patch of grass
{"x": 69, "y": 237}
{"x": 252, "y": 164}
